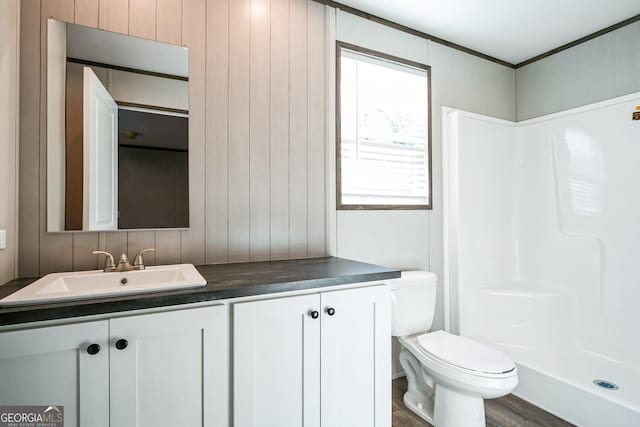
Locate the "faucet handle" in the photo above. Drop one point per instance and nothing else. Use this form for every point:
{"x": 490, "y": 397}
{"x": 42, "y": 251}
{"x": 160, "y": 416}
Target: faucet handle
{"x": 138, "y": 261}
{"x": 110, "y": 264}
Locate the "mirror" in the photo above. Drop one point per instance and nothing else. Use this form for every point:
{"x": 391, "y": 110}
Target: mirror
{"x": 117, "y": 131}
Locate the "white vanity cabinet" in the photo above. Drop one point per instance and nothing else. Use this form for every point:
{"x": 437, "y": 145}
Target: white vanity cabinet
{"x": 308, "y": 359}
{"x": 51, "y": 366}
{"x": 173, "y": 371}
{"x": 159, "y": 369}
{"x": 317, "y": 360}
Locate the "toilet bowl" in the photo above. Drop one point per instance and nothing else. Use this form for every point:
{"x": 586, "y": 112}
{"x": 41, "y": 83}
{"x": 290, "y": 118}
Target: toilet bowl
{"x": 448, "y": 376}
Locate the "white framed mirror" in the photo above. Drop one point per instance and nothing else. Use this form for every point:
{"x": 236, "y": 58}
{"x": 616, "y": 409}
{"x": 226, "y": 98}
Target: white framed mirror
{"x": 117, "y": 131}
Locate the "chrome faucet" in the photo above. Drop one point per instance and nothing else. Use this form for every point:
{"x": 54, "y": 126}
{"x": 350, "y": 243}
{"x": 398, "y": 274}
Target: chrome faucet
{"x": 123, "y": 264}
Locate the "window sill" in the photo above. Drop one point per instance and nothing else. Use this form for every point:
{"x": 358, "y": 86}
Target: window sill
{"x": 384, "y": 207}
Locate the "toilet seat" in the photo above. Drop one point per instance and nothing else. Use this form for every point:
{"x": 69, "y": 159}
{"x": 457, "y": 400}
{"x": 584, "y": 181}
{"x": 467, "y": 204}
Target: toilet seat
{"x": 443, "y": 366}
{"x": 463, "y": 353}
{"x": 438, "y": 385}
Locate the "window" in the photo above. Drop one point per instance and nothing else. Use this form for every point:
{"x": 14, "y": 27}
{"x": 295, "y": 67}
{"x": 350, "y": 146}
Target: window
{"x": 384, "y": 131}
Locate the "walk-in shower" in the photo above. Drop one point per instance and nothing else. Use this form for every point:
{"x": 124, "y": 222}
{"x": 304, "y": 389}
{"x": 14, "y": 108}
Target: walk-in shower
{"x": 542, "y": 244}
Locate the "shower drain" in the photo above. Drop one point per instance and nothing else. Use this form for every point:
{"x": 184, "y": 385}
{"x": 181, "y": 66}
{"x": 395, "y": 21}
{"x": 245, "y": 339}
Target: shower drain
{"x": 605, "y": 384}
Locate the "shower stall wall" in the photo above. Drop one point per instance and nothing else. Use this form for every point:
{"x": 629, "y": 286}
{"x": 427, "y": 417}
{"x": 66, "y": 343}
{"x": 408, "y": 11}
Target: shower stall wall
{"x": 542, "y": 252}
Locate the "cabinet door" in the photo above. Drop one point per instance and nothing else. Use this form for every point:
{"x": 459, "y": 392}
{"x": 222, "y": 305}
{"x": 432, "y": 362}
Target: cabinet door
{"x": 356, "y": 358}
{"x": 276, "y": 362}
{"x": 173, "y": 371}
{"x": 51, "y": 366}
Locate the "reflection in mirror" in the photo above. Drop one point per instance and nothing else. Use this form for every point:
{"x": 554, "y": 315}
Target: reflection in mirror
{"x": 117, "y": 131}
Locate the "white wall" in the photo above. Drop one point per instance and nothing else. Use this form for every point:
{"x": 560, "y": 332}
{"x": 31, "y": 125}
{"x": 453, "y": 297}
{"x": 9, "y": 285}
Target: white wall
{"x": 391, "y": 238}
{"x": 602, "y": 68}
{"x": 9, "y": 60}
{"x": 411, "y": 239}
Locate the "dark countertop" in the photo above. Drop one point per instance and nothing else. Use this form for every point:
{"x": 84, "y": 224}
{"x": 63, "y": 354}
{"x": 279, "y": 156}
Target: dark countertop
{"x": 223, "y": 281}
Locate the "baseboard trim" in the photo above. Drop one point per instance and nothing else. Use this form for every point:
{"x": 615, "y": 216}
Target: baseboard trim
{"x": 397, "y": 375}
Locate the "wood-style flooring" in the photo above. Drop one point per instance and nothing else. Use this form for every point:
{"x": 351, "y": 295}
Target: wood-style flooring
{"x": 508, "y": 411}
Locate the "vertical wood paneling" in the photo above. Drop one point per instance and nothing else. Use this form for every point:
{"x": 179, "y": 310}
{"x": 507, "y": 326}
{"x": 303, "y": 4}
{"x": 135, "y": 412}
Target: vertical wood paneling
{"x": 257, "y": 130}
{"x": 279, "y": 129}
{"x": 193, "y": 36}
{"x": 259, "y": 175}
{"x": 168, "y": 247}
{"x": 239, "y": 134}
{"x": 169, "y": 21}
{"x": 86, "y": 12}
{"x": 298, "y": 129}
{"x": 217, "y": 131}
{"x": 317, "y": 65}
{"x": 115, "y": 243}
{"x": 114, "y": 16}
{"x": 83, "y": 244}
{"x": 142, "y": 18}
{"x": 29, "y": 198}
{"x": 52, "y": 257}
{"x": 63, "y": 10}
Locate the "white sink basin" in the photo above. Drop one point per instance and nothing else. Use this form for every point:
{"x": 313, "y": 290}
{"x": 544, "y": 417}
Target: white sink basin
{"x": 90, "y": 284}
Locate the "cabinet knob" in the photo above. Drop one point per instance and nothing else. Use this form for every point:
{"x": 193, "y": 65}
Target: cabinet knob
{"x": 314, "y": 314}
{"x": 121, "y": 344}
{"x": 93, "y": 349}
{"x": 331, "y": 311}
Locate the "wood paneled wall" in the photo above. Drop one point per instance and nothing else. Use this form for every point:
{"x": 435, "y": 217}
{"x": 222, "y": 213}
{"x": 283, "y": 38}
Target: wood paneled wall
{"x": 257, "y": 130}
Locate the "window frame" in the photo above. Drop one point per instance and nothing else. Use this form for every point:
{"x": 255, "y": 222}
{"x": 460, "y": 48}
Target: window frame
{"x": 340, "y": 46}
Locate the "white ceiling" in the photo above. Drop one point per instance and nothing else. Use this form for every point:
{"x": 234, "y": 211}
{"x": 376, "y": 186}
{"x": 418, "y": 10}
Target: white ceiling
{"x": 511, "y": 30}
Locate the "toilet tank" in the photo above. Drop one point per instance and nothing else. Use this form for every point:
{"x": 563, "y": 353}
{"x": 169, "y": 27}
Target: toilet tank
{"x": 413, "y": 302}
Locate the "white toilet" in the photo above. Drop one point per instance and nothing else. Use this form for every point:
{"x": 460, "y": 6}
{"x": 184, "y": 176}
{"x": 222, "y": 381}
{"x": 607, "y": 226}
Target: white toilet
{"x": 448, "y": 376}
